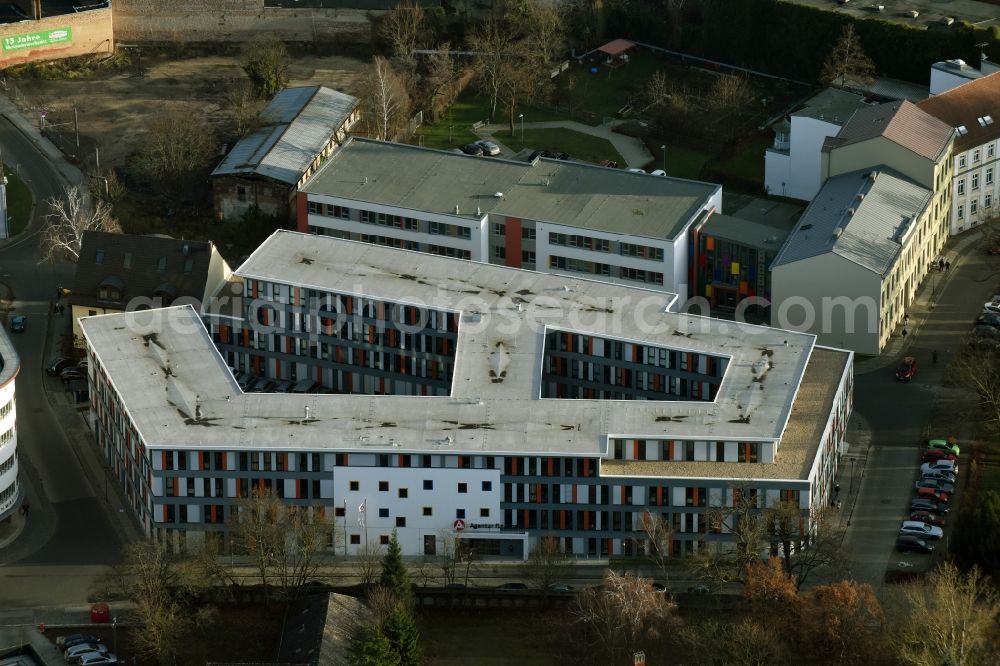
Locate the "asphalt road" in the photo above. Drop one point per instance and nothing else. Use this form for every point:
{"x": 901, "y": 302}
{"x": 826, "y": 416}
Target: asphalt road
{"x": 67, "y": 534}
{"x": 894, "y": 418}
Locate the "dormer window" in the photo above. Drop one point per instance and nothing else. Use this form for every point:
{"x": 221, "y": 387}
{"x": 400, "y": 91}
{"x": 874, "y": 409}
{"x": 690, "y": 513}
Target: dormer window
{"x": 99, "y": 257}
{"x": 111, "y": 289}
{"x": 161, "y": 265}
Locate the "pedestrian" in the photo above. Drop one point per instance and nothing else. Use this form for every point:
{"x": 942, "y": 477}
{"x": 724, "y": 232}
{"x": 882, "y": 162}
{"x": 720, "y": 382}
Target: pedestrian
{"x": 934, "y": 356}
{"x": 947, "y": 266}
{"x": 836, "y": 488}
{"x": 905, "y": 333}
{"x": 940, "y": 264}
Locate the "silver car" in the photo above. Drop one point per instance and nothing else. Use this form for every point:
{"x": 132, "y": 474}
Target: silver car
{"x": 921, "y": 530}
{"x": 489, "y": 148}
{"x": 82, "y": 649}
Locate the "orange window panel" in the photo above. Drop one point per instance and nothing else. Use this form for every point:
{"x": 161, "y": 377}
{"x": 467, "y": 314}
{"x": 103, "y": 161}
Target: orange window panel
{"x": 525, "y": 515}
{"x": 551, "y": 467}
{"x": 635, "y": 449}
{"x": 573, "y": 494}
{"x": 659, "y": 496}
{"x": 562, "y": 520}
{"x": 586, "y": 520}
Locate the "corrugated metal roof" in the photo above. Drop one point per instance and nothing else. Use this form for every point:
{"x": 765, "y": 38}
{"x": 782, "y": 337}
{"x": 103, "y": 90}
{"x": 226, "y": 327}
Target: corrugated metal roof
{"x": 900, "y": 122}
{"x": 296, "y": 125}
{"x": 859, "y": 218}
{"x": 831, "y": 104}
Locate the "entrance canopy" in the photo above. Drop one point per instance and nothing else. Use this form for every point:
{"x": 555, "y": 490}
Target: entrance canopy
{"x": 616, "y": 48}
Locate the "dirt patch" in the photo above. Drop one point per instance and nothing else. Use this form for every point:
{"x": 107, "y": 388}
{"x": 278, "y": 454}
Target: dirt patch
{"x": 115, "y": 109}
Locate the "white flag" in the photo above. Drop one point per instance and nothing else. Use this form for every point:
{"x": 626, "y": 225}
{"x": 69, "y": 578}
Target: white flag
{"x": 362, "y": 510}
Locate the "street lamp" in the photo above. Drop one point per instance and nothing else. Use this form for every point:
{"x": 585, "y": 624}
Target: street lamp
{"x": 851, "y": 490}
{"x": 664, "y": 149}
{"x": 521, "y": 116}
{"x": 114, "y": 626}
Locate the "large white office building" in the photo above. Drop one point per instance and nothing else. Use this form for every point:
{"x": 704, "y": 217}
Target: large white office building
{"x": 460, "y": 399}
{"x": 11, "y": 492}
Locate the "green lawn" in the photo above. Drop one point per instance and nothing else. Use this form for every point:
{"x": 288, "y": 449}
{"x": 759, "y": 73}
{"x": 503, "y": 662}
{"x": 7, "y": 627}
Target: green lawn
{"x": 681, "y": 162}
{"x": 18, "y": 202}
{"x": 579, "y": 146}
{"x": 748, "y": 163}
{"x": 609, "y": 89}
{"x": 455, "y": 126}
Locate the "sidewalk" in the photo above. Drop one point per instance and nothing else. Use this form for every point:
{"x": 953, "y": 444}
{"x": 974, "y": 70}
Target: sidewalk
{"x": 923, "y": 305}
{"x": 631, "y": 149}
{"x": 69, "y": 172}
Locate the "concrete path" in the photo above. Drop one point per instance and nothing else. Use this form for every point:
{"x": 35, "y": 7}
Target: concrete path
{"x": 633, "y": 150}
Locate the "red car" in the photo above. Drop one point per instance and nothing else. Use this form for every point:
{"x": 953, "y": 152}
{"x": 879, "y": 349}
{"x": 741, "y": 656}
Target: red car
{"x": 932, "y": 455}
{"x": 993, "y": 250}
{"x": 928, "y": 518}
{"x": 907, "y": 368}
{"x": 933, "y": 495}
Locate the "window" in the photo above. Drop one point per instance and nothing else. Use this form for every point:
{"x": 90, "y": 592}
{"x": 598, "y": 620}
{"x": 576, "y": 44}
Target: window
{"x": 498, "y": 229}
{"x": 383, "y": 486}
{"x": 354, "y": 485}
{"x": 487, "y": 486}
{"x": 99, "y": 257}
{"x": 990, "y": 150}
{"x": 383, "y": 539}
{"x": 961, "y": 161}
{"x": 527, "y": 257}
{"x": 383, "y": 513}
{"x": 127, "y": 259}
{"x": 161, "y": 264}
{"x": 988, "y": 200}
{"x": 460, "y": 513}
{"x": 499, "y": 253}
{"x": 961, "y": 212}
{"x": 400, "y": 521}
{"x": 528, "y": 233}
{"x": 484, "y": 513}
{"x": 404, "y": 492}
{"x": 463, "y": 488}
{"x": 961, "y": 186}
{"x": 355, "y": 539}
{"x": 428, "y": 484}
{"x": 989, "y": 175}
{"x": 241, "y": 192}
{"x": 975, "y": 181}
{"x": 975, "y": 155}
{"x": 339, "y": 512}
{"x": 428, "y": 511}
{"x": 973, "y": 207}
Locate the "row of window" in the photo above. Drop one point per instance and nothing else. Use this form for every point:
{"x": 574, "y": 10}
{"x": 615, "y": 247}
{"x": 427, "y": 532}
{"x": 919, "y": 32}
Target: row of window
{"x": 403, "y": 493}
{"x": 7, "y": 464}
{"x": 6, "y": 436}
{"x": 976, "y": 155}
{"x": 974, "y": 181}
{"x": 6, "y": 409}
{"x": 245, "y": 461}
{"x": 527, "y": 256}
{"x": 527, "y": 233}
{"x": 454, "y": 253}
{"x": 974, "y": 206}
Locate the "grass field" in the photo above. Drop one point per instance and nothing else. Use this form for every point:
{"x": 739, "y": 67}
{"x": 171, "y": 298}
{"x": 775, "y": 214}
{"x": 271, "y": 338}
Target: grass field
{"x": 681, "y": 162}
{"x": 18, "y": 202}
{"x": 455, "y": 126}
{"x": 748, "y": 163}
{"x": 609, "y": 89}
{"x": 579, "y": 146}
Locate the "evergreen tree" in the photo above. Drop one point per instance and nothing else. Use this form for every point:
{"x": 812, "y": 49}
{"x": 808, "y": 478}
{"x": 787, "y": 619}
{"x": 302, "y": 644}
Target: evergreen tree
{"x": 402, "y": 634}
{"x": 394, "y": 575}
{"x": 369, "y": 647}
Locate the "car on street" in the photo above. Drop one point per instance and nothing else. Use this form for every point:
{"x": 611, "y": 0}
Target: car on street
{"x": 635, "y": 170}
{"x": 937, "y": 484}
{"x": 927, "y": 517}
{"x": 921, "y": 529}
{"x": 658, "y": 172}
{"x": 261, "y": 385}
{"x": 59, "y": 364}
{"x": 95, "y": 659}
{"x": 993, "y": 250}
{"x": 939, "y": 475}
{"x": 511, "y": 587}
{"x": 284, "y": 386}
{"x": 906, "y": 369}
{"x": 992, "y": 306}
{"x": 934, "y": 495}
{"x": 560, "y": 587}
{"x": 931, "y": 455}
{"x": 488, "y": 147}
{"x": 908, "y": 542}
{"x": 940, "y": 466}
{"x": 244, "y": 379}
{"x": 921, "y": 504}
{"x": 18, "y": 324}
{"x": 84, "y": 648}
{"x": 66, "y": 642}
{"x": 945, "y": 445}
{"x": 471, "y": 149}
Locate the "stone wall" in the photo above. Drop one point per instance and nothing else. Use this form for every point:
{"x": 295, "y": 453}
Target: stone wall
{"x": 88, "y": 32}
{"x": 182, "y": 21}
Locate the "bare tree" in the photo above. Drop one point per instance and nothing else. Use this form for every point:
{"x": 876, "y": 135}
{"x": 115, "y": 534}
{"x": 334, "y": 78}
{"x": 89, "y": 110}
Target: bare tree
{"x": 726, "y": 561}
{"x": 659, "y": 534}
{"x": 807, "y": 541}
{"x": 730, "y": 92}
{"x": 847, "y": 61}
{"x": 746, "y": 642}
{"x": 657, "y": 90}
{"x": 243, "y": 106}
{"x": 403, "y": 29}
{"x": 256, "y": 531}
{"x": 978, "y": 369}
{"x": 68, "y": 219}
{"x": 386, "y": 102}
{"x": 438, "y": 82}
{"x": 546, "y": 563}
{"x": 622, "y": 611}
{"x": 178, "y": 149}
{"x": 306, "y": 535}
{"x": 369, "y": 563}
{"x": 493, "y": 46}
{"x": 951, "y": 618}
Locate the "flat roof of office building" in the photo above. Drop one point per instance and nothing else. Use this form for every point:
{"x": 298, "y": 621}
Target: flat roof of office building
{"x": 548, "y": 190}
{"x": 180, "y": 393}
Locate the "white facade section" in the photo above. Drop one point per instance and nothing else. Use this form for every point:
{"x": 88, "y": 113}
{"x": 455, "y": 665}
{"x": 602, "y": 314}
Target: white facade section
{"x": 976, "y": 185}
{"x": 427, "y": 501}
{"x": 10, "y": 491}
{"x": 795, "y": 171}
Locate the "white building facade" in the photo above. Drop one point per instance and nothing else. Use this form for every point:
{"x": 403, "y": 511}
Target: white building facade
{"x": 11, "y": 492}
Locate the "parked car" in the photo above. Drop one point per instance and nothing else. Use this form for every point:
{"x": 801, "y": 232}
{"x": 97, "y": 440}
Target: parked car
{"x": 921, "y": 529}
{"x": 993, "y": 251}
{"x": 985, "y": 331}
{"x": 611, "y": 164}
{"x": 511, "y": 587}
{"x": 18, "y": 324}
{"x": 930, "y": 455}
{"x": 66, "y": 642}
{"x": 907, "y": 368}
{"x": 84, "y": 648}
{"x": 984, "y": 344}
{"x": 488, "y": 147}
{"x": 658, "y": 172}
{"x": 939, "y": 475}
{"x": 937, "y": 484}
{"x": 59, "y": 364}
{"x": 83, "y": 366}
{"x": 71, "y": 374}
{"x": 988, "y": 319}
{"x": 940, "y": 466}
{"x": 927, "y": 517}
{"x": 261, "y": 385}
{"x": 555, "y": 154}
{"x": 659, "y": 587}
{"x": 96, "y": 659}
{"x": 471, "y": 149}
{"x": 243, "y": 380}
{"x": 921, "y": 504}
{"x": 561, "y": 587}
{"x": 634, "y": 170}
{"x": 992, "y": 306}
{"x": 305, "y": 386}
{"x": 284, "y": 386}
{"x": 908, "y": 542}
{"x": 934, "y": 495}
{"x": 945, "y": 445}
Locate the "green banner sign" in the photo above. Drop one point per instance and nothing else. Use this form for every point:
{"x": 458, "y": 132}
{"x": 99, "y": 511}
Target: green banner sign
{"x": 33, "y": 40}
